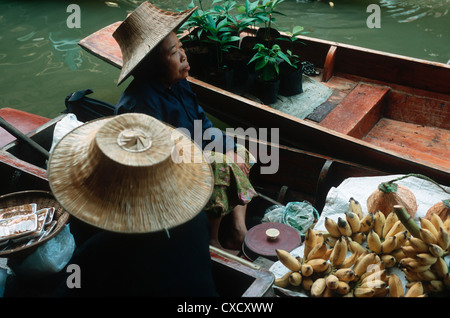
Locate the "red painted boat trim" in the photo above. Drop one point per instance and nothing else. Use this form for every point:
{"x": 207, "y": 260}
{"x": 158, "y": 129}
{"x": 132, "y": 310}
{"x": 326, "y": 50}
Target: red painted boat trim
{"x": 23, "y": 121}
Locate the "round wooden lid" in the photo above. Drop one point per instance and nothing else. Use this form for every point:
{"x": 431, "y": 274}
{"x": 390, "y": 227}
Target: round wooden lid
{"x": 264, "y": 239}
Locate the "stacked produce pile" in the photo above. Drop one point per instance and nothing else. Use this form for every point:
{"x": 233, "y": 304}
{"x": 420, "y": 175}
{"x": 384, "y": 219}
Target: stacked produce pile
{"x": 355, "y": 257}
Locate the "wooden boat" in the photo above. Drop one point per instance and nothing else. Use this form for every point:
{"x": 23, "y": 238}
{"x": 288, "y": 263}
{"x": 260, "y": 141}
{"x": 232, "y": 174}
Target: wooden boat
{"x": 387, "y": 111}
{"x": 301, "y": 176}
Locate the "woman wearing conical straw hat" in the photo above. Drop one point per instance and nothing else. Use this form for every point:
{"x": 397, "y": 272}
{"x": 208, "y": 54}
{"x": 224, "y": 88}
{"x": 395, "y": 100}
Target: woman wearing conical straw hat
{"x": 122, "y": 175}
{"x": 127, "y": 175}
{"x": 154, "y": 56}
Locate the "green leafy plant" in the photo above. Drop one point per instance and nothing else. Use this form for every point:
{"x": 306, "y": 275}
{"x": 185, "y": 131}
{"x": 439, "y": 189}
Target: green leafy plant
{"x": 250, "y": 13}
{"x": 267, "y": 11}
{"x": 197, "y": 22}
{"x": 267, "y": 60}
{"x": 221, "y": 35}
{"x": 291, "y": 37}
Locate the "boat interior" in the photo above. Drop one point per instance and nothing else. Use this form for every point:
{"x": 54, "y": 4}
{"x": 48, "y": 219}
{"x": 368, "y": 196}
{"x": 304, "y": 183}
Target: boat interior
{"x": 410, "y": 116}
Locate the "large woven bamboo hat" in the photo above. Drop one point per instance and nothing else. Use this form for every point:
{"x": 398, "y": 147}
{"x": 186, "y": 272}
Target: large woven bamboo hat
{"x": 130, "y": 173}
{"x": 141, "y": 32}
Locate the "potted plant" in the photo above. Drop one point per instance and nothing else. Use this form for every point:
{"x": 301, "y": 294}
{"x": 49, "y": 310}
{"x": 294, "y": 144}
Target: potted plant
{"x": 200, "y": 51}
{"x": 220, "y": 34}
{"x": 267, "y": 81}
{"x": 291, "y": 73}
{"x": 266, "y": 13}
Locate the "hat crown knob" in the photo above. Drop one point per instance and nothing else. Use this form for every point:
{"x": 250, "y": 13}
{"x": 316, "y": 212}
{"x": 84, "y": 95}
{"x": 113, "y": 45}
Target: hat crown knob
{"x": 134, "y": 140}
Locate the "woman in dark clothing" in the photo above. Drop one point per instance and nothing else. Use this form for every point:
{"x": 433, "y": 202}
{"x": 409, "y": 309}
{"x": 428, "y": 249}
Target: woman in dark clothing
{"x": 160, "y": 89}
{"x": 118, "y": 174}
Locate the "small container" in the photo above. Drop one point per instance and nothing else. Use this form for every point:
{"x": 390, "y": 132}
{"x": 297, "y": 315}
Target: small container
{"x": 272, "y": 234}
{"x": 265, "y": 238}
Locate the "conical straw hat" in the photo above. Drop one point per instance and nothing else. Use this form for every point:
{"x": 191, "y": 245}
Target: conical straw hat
{"x": 142, "y": 30}
{"x": 130, "y": 173}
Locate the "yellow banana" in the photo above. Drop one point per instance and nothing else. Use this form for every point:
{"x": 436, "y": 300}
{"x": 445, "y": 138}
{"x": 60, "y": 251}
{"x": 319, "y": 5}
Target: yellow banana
{"x": 399, "y": 254}
{"x": 381, "y": 292}
{"x": 413, "y": 265}
{"x": 410, "y": 263}
{"x": 356, "y": 208}
{"x": 318, "y": 264}
{"x": 443, "y": 238}
{"x": 319, "y": 237}
{"x": 437, "y": 221}
{"x": 332, "y": 281}
{"x": 388, "y": 223}
{"x": 362, "y": 265}
{"x": 388, "y": 260}
{"x": 374, "y": 242}
{"x": 310, "y": 242}
{"x": 328, "y": 292}
{"x": 395, "y": 286}
{"x": 345, "y": 274}
{"x": 436, "y": 250}
{"x": 343, "y": 288}
{"x": 375, "y": 284}
{"x": 401, "y": 238}
{"x": 436, "y": 286}
{"x": 332, "y": 227}
{"x": 288, "y": 260}
{"x": 331, "y": 240}
{"x": 378, "y": 224}
{"x": 389, "y": 245}
{"x": 367, "y": 223}
{"x": 440, "y": 267}
{"x": 363, "y": 292}
{"x": 418, "y": 244}
{"x": 353, "y": 220}
{"x": 380, "y": 274}
{"x": 410, "y": 275}
{"x": 318, "y": 287}
{"x": 295, "y": 279}
{"x": 359, "y": 237}
{"x": 447, "y": 224}
{"x": 408, "y": 250}
{"x": 427, "y": 236}
{"x": 318, "y": 251}
{"x": 355, "y": 247}
{"x": 349, "y": 261}
{"x": 283, "y": 281}
{"x": 446, "y": 279}
{"x": 339, "y": 252}
{"x": 415, "y": 290}
{"x": 427, "y": 275}
{"x": 426, "y": 259}
{"x": 396, "y": 228}
{"x": 327, "y": 254}
{"x": 306, "y": 270}
{"x": 426, "y": 224}
{"x": 307, "y": 283}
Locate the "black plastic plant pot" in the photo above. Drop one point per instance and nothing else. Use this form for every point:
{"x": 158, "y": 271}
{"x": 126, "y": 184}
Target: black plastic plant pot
{"x": 290, "y": 80}
{"x": 267, "y": 91}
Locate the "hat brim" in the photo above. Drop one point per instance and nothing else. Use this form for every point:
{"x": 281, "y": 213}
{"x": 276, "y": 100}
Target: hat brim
{"x": 130, "y": 200}
{"x": 142, "y": 31}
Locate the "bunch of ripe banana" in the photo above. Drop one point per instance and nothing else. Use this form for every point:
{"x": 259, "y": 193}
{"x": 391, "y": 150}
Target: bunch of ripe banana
{"x": 375, "y": 243}
{"x": 422, "y": 258}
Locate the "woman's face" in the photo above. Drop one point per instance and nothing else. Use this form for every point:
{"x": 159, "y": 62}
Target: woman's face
{"x": 174, "y": 58}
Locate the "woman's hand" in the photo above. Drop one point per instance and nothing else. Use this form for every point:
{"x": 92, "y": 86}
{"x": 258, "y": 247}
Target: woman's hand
{"x": 234, "y": 157}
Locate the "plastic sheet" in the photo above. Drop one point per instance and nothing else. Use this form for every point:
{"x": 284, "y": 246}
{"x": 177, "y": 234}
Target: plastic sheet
{"x": 48, "y": 258}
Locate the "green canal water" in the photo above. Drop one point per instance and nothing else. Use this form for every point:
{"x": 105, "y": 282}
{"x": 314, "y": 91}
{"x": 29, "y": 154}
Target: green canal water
{"x": 40, "y": 61}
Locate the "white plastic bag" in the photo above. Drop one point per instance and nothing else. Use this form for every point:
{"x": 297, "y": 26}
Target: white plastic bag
{"x": 63, "y": 127}
{"x": 49, "y": 258}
